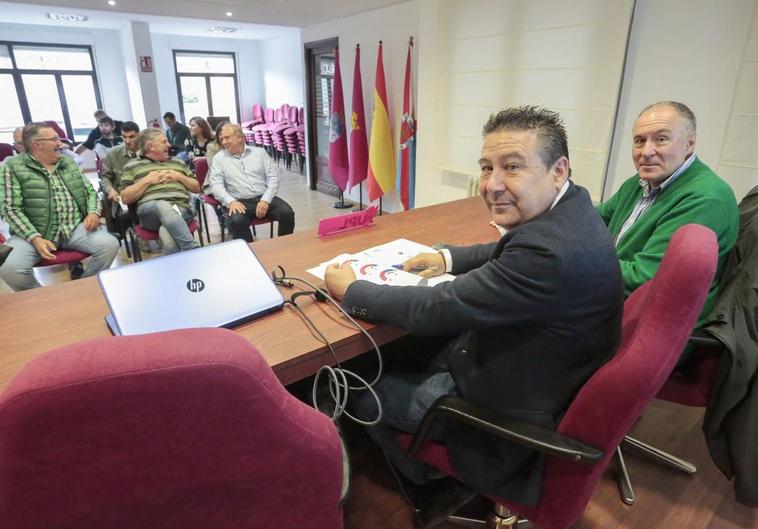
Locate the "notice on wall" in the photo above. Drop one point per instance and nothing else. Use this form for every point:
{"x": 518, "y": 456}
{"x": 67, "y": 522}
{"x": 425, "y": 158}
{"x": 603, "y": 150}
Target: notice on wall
{"x": 145, "y": 63}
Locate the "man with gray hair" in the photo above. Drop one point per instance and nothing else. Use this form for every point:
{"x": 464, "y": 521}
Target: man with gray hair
{"x": 161, "y": 185}
{"x": 49, "y": 204}
{"x": 246, "y": 180}
{"x": 672, "y": 188}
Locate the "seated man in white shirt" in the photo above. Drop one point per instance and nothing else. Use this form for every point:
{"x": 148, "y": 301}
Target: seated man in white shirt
{"x": 246, "y": 180}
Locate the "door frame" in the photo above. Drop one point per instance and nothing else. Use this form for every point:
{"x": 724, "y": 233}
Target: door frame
{"x": 309, "y": 50}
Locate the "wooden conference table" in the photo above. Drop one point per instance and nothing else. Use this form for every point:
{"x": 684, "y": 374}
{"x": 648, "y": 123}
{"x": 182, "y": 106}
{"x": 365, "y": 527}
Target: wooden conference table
{"x": 36, "y": 321}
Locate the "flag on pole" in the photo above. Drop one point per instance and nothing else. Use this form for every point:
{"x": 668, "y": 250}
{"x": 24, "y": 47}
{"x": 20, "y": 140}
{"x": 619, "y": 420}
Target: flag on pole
{"x": 406, "y": 168}
{"x": 358, "y": 141}
{"x": 381, "y": 155}
{"x": 338, "y": 163}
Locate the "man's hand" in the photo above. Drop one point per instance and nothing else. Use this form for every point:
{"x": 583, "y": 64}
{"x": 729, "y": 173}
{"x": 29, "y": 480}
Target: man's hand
{"x": 44, "y": 247}
{"x": 91, "y": 222}
{"x": 154, "y": 177}
{"x": 432, "y": 264}
{"x": 113, "y": 195}
{"x": 235, "y": 206}
{"x": 261, "y": 209}
{"x": 170, "y": 175}
{"x": 338, "y": 278}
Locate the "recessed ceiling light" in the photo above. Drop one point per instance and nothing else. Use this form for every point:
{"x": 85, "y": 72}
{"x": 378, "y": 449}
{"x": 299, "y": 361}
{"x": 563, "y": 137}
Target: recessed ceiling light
{"x": 229, "y": 13}
{"x": 111, "y": 3}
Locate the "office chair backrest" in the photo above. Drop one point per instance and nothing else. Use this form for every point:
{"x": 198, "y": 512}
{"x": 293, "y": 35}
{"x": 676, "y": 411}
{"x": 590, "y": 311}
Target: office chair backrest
{"x": 201, "y": 169}
{"x": 183, "y": 429}
{"x": 6, "y": 150}
{"x": 658, "y": 319}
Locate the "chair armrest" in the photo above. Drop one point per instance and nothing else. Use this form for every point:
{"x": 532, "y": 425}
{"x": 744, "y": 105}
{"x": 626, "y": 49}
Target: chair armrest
{"x": 509, "y": 428}
{"x": 704, "y": 339}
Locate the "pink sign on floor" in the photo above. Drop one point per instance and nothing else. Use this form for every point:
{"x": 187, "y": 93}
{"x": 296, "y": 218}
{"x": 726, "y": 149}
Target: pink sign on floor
{"x": 350, "y": 221}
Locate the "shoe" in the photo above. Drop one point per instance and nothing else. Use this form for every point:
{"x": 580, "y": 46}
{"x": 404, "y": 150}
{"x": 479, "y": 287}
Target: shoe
{"x": 440, "y": 498}
{"x": 76, "y": 271}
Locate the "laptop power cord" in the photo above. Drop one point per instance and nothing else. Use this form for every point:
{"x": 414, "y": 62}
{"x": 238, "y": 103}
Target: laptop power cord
{"x": 338, "y": 378}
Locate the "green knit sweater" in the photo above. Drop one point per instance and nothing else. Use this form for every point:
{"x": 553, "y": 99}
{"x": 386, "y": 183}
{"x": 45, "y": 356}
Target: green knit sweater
{"x": 697, "y": 196}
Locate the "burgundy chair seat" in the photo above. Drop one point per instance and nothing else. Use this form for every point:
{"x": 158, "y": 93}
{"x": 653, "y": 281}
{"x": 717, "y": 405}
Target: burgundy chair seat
{"x": 6, "y": 150}
{"x": 64, "y": 257}
{"x": 180, "y": 429}
{"x": 149, "y": 235}
{"x": 210, "y": 200}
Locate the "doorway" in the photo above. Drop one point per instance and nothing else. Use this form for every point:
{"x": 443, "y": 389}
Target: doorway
{"x": 319, "y": 58}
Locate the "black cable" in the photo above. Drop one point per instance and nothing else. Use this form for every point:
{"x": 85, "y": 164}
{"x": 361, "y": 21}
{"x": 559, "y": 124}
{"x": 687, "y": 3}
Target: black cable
{"x": 337, "y": 377}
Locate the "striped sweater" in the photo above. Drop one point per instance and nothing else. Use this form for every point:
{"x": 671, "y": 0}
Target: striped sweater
{"x": 173, "y": 192}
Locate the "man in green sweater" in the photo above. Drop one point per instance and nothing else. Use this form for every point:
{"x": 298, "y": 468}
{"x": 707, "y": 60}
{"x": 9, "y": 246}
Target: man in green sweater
{"x": 49, "y": 205}
{"x": 671, "y": 188}
{"x": 161, "y": 185}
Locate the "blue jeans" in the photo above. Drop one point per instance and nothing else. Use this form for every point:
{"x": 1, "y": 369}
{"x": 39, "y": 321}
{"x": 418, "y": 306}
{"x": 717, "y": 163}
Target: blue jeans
{"x": 18, "y": 271}
{"x": 405, "y": 398}
{"x": 171, "y": 225}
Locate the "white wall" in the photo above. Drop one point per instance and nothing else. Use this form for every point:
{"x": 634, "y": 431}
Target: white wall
{"x": 393, "y": 25}
{"x": 693, "y": 52}
{"x": 249, "y": 68}
{"x": 108, "y": 58}
{"x": 566, "y": 56}
{"x": 282, "y": 60}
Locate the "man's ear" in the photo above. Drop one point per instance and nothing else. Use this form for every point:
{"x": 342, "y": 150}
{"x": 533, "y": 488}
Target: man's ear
{"x": 560, "y": 171}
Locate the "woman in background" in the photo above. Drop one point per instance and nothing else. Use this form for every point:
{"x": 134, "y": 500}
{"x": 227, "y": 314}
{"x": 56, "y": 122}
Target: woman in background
{"x": 200, "y": 137}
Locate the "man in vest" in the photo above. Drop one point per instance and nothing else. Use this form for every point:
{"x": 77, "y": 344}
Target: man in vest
{"x": 49, "y": 204}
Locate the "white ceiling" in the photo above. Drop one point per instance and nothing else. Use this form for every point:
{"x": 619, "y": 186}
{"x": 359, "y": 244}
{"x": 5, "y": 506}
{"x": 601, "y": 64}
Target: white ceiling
{"x": 257, "y": 19}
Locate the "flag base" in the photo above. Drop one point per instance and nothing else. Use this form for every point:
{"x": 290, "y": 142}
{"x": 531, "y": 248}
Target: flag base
{"x": 342, "y": 204}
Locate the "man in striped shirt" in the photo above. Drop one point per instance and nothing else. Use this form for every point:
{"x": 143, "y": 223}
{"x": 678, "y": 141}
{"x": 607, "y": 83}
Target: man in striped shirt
{"x": 161, "y": 186}
{"x": 49, "y": 204}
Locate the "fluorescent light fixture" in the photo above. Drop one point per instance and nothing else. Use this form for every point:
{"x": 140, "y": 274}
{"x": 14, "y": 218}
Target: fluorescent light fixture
{"x": 111, "y": 3}
{"x": 66, "y": 17}
{"x": 229, "y": 13}
{"x": 223, "y": 29}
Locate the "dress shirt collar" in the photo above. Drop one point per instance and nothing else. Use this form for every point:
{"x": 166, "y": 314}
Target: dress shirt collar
{"x": 562, "y": 192}
{"x": 648, "y": 190}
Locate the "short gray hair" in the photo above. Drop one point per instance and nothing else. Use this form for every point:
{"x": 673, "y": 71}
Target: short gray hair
{"x": 680, "y": 108}
{"x": 148, "y": 136}
{"x": 236, "y": 128}
{"x": 31, "y": 132}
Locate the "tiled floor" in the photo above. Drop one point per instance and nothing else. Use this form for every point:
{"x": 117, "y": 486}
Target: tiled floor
{"x": 309, "y": 206}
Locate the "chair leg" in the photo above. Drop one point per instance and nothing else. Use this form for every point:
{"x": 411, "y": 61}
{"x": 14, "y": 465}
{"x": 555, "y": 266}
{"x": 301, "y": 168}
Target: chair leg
{"x": 659, "y": 455}
{"x": 624, "y": 483}
{"x": 502, "y": 518}
{"x": 134, "y": 243}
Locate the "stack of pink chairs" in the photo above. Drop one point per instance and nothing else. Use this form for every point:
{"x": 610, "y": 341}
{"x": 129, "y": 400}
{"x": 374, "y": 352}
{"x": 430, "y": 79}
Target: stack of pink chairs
{"x": 301, "y": 138}
{"x": 268, "y": 118}
{"x": 247, "y": 126}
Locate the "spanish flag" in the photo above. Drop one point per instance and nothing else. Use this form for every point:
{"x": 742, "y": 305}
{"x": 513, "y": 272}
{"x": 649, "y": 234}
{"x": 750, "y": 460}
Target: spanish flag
{"x": 381, "y": 154}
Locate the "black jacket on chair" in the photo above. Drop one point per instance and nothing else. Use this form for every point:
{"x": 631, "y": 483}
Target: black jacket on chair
{"x": 731, "y": 418}
{"x": 536, "y": 313}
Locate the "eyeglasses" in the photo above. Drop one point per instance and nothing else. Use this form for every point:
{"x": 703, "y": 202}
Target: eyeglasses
{"x": 47, "y": 139}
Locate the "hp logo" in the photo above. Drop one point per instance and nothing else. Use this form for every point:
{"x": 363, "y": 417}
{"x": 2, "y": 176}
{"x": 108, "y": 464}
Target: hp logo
{"x": 195, "y": 285}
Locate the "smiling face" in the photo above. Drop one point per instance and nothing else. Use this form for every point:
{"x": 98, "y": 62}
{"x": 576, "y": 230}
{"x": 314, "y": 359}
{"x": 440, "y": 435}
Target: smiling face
{"x": 662, "y": 141}
{"x": 158, "y": 148}
{"x": 232, "y": 140}
{"x": 45, "y": 147}
{"x": 514, "y": 181}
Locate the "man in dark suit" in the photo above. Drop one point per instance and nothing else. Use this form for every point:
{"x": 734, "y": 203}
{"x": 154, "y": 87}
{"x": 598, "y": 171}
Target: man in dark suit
{"x": 532, "y": 316}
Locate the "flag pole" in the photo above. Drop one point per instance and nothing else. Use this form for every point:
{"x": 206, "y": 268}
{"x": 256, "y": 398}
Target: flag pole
{"x": 342, "y": 204}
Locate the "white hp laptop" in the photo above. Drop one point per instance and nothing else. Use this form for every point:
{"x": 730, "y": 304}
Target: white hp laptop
{"x": 221, "y": 285}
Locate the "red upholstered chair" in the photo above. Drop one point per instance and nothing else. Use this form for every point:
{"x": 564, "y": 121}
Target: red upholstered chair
{"x": 137, "y": 232}
{"x": 6, "y": 150}
{"x": 63, "y": 257}
{"x": 657, "y": 321}
{"x": 179, "y": 429}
